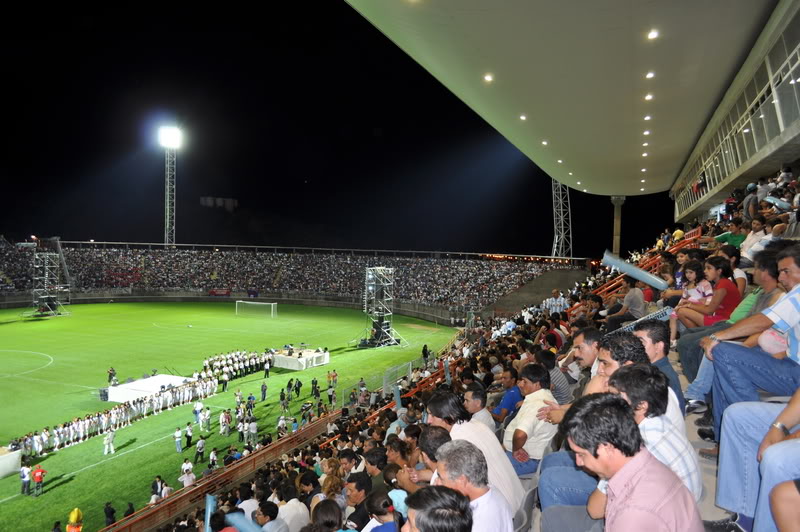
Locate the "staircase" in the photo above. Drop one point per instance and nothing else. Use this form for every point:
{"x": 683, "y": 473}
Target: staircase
{"x": 537, "y": 290}
{"x": 276, "y": 281}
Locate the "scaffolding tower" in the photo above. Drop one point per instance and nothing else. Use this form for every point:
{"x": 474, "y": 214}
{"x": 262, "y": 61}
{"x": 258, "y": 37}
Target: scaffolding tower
{"x": 562, "y": 221}
{"x": 51, "y": 281}
{"x": 378, "y": 308}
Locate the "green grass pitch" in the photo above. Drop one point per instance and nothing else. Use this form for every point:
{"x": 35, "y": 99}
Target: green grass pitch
{"x": 51, "y": 370}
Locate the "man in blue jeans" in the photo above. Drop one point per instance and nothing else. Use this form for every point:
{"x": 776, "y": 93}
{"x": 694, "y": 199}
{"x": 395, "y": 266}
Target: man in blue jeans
{"x": 526, "y": 437}
{"x": 741, "y": 371}
{"x": 758, "y": 451}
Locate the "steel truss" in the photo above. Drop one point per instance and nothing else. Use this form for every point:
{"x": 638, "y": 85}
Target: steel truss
{"x": 378, "y": 307}
{"x": 169, "y": 195}
{"x": 562, "y": 221}
{"x": 51, "y": 284}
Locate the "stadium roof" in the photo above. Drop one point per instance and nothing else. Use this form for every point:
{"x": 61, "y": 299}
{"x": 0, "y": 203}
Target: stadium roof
{"x": 577, "y": 71}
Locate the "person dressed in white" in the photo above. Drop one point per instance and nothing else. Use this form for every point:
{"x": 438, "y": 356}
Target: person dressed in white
{"x": 447, "y": 411}
{"x": 108, "y": 443}
{"x": 475, "y": 403}
{"x": 462, "y": 467}
{"x": 293, "y": 512}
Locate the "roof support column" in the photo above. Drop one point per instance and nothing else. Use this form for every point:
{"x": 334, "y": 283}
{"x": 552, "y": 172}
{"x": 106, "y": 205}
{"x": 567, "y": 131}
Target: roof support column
{"x": 617, "y": 201}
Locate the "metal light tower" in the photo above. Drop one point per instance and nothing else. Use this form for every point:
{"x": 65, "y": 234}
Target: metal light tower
{"x": 170, "y": 139}
{"x": 562, "y": 221}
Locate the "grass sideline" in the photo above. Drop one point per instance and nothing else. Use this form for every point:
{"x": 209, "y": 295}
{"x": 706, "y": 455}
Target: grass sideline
{"x": 52, "y": 370}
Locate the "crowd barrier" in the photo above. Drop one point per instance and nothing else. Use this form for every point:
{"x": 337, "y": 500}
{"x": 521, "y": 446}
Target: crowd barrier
{"x": 651, "y": 265}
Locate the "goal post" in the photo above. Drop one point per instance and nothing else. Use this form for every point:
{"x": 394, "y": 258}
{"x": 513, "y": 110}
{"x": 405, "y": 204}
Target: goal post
{"x": 256, "y": 309}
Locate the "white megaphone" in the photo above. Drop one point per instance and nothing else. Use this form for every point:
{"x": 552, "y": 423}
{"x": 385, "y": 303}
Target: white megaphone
{"x": 609, "y": 259}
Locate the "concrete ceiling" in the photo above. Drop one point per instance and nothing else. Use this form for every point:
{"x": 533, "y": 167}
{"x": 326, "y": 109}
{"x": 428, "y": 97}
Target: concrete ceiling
{"x": 577, "y": 70}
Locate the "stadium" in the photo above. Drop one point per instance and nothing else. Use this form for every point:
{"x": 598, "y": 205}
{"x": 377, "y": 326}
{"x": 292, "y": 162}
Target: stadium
{"x": 409, "y": 301}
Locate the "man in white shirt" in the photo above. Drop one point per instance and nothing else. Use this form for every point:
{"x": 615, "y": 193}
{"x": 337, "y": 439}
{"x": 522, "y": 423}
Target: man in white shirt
{"x": 461, "y": 466}
{"x": 177, "y": 437}
{"x": 266, "y": 516}
{"x": 249, "y": 503}
{"x": 293, "y": 512}
{"x": 526, "y": 437}
{"x": 475, "y": 403}
{"x": 446, "y": 410}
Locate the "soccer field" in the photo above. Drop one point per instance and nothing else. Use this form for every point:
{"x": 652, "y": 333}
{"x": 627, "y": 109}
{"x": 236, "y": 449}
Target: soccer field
{"x": 52, "y": 369}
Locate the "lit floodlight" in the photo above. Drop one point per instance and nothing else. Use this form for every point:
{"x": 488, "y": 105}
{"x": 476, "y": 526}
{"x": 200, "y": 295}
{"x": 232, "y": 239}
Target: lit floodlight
{"x": 170, "y": 137}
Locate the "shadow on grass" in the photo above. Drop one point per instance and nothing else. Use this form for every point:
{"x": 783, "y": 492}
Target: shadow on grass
{"x": 126, "y": 444}
{"x": 58, "y": 481}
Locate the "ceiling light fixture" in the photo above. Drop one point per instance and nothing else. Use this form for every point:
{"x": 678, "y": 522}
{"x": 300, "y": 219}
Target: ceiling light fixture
{"x": 641, "y": 189}
{"x": 544, "y": 143}
{"x": 644, "y": 169}
{"x": 579, "y": 182}
{"x": 746, "y": 130}
{"x": 644, "y": 154}
{"x": 523, "y": 117}
{"x": 650, "y": 75}
{"x": 488, "y": 78}
{"x": 645, "y": 144}
{"x": 648, "y": 97}
{"x": 642, "y": 180}
{"x": 584, "y": 190}
{"x": 653, "y": 34}
{"x": 646, "y": 132}
{"x": 570, "y": 173}
{"x": 560, "y": 161}
{"x": 648, "y": 117}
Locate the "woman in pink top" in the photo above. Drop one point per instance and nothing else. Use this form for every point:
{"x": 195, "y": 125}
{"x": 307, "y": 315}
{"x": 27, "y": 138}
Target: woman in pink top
{"x": 726, "y": 297}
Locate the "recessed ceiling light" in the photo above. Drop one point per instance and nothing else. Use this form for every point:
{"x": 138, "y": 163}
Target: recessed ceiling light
{"x": 645, "y": 144}
{"x": 584, "y": 190}
{"x": 570, "y": 173}
{"x": 648, "y": 97}
{"x": 647, "y": 132}
{"x": 579, "y": 182}
{"x": 642, "y": 180}
{"x": 523, "y": 117}
{"x": 648, "y": 117}
{"x": 653, "y": 34}
{"x": 644, "y": 154}
{"x": 488, "y": 77}
{"x": 544, "y": 143}
{"x": 746, "y": 130}
{"x": 644, "y": 169}
{"x": 641, "y": 189}
{"x": 650, "y": 75}
{"x": 560, "y": 161}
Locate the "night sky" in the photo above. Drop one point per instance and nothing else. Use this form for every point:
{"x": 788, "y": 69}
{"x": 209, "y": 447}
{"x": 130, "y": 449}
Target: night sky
{"x": 326, "y": 133}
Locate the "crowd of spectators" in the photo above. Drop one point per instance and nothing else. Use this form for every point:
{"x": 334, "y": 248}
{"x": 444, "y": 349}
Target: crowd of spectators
{"x": 451, "y": 282}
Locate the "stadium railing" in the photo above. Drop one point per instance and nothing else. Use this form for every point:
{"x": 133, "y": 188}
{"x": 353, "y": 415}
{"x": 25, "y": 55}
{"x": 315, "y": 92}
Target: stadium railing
{"x": 651, "y": 265}
{"x": 188, "y": 499}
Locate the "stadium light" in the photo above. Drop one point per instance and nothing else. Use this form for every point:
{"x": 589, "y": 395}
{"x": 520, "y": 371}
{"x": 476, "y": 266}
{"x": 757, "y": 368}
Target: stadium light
{"x": 170, "y": 137}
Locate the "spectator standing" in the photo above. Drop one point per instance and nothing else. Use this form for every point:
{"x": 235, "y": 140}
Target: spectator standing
{"x": 38, "y": 480}
{"x": 25, "y": 479}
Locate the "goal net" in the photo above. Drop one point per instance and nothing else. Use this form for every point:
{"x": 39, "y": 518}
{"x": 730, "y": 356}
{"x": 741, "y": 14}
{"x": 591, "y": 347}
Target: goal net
{"x": 256, "y": 309}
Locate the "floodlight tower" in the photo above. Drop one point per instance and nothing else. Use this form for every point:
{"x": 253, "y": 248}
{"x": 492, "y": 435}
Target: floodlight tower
{"x": 562, "y": 221}
{"x": 170, "y": 138}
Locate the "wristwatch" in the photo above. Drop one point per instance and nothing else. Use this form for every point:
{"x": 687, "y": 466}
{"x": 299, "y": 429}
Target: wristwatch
{"x": 714, "y": 338}
{"x": 780, "y": 426}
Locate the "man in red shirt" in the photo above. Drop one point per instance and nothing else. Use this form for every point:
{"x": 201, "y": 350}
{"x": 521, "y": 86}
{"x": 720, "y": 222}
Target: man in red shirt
{"x": 38, "y": 480}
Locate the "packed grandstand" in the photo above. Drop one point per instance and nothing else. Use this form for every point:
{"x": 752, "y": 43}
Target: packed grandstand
{"x": 450, "y": 282}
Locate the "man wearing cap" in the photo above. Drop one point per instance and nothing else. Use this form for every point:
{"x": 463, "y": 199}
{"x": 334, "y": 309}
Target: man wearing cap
{"x": 750, "y": 203}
